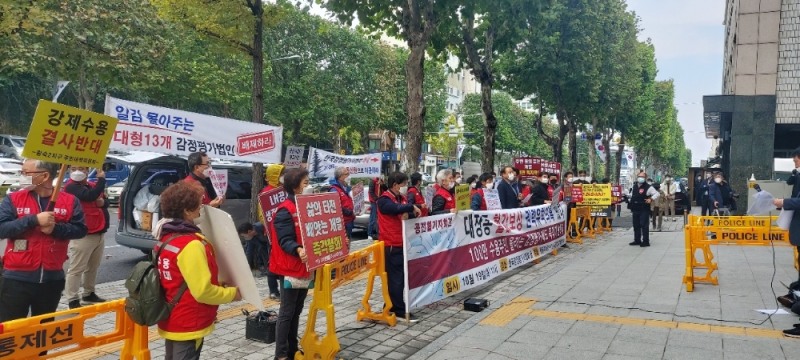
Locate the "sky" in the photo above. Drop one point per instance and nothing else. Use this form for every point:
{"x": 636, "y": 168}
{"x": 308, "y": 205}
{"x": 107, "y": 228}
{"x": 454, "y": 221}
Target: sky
{"x": 689, "y": 37}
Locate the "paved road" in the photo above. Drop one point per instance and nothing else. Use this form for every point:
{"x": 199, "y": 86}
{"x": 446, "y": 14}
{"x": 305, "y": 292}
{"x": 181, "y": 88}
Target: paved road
{"x": 118, "y": 260}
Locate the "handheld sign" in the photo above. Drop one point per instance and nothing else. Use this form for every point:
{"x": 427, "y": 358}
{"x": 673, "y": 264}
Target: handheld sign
{"x": 492, "y": 199}
{"x": 322, "y": 228}
{"x": 219, "y": 179}
{"x": 358, "y": 199}
{"x": 577, "y": 193}
{"x": 294, "y": 157}
{"x": 462, "y": 197}
{"x": 269, "y": 201}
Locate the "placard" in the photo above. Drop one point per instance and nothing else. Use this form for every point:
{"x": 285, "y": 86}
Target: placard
{"x": 322, "y": 228}
{"x": 269, "y": 201}
{"x": 529, "y": 167}
{"x": 294, "y": 157}
{"x": 596, "y": 195}
{"x": 492, "y": 199}
{"x": 359, "y": 196}
{"x": 219, "y": 179}
{"x": 577, "y": 193}
{"x": 428, "y": 193}
{"x": 323, "y": 163}
{"x": 64, "y": 134}
{"x": 462, "y": 197}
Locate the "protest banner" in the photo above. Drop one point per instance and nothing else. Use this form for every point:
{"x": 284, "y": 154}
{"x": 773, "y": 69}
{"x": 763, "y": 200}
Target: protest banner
{"x": 217, "y": 226}
{"x": 551, "y": 167}
{"x": 294, "y": 157}
{"x": 577, "y": 193}
{"x": 529, "y": 167}
{"x": 176, "y": 132}
{"x": 492, "y": 199}
{"x": 219, "y": 179}
{"x": 616, "y": 194}
{"x": 64, "y": 134}
{"x": 269, "y": 201}
{"x": 450, "y": 253}
{"x": 322, "y": 163}
{"x": 359, "y": 196}
{"x": 462, "y": 197}
{"x": 596, "y": 195}
{"x": 322, "y": 228}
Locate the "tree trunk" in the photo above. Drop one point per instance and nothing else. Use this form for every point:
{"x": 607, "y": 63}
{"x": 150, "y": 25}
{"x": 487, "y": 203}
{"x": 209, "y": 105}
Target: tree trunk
{"x": 490, "y": 122}
{"x": 337, "y": 139}
{"x": 620, "y": 154}
{"x": 573, "y": 147}
{"x": 257, "y": 9}
{"x": 591, "y": 154}
{"x": 415, "y": 105}
{"x": 607, "y": 147}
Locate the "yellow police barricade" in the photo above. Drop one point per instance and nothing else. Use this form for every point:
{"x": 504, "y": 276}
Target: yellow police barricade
{"x": 329, "y": 277}
{"x": 580, "y": 218}
{"x": 27, "y": 338}
{"x": 703, "y": 231}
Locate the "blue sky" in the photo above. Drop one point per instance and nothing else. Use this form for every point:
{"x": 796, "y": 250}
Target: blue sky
{"x": 689, "y": 39}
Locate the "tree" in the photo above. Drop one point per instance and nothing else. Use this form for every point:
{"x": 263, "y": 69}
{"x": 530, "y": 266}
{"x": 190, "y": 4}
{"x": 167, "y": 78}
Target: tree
{"x": 446, "y": 142}
{"x": 415, "y": 21}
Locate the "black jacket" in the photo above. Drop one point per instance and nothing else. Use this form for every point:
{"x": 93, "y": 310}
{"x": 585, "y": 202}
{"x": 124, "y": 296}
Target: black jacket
{"x": 539, "y": 194}
{"x": 507, "y": 194}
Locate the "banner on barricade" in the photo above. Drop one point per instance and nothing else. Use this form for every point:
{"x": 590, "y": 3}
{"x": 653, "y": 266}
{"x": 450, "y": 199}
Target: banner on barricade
{"x": 450, "y": 253}
{"x": 170, "y": 131}
{"x": 596, "y": 195}
{"x": 294, "y": 157}
{"x": 322, "y": 228}
{"x": 359, "y": 196}
{"x": 602, "y": 211}
{"x": 322, "y": 163}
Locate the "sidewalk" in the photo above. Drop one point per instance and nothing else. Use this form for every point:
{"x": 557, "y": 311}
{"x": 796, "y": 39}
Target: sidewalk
{"x": 600, "y": 300}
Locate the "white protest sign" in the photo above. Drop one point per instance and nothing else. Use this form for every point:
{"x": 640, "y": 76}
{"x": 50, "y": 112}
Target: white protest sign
{"x": 358, "y": 199}
{"x": 492, "y": 199}
{"x": 428, "y": 194}
{"x": 322, "y": 163}
{"x": 219, "y": 179}
{"x": 168, "y": 131}
{"x": 294, "y": 157}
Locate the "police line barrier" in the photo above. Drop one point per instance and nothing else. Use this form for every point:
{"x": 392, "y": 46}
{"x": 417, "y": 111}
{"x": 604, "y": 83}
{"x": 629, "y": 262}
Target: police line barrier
{"x": 703, "y": 231}
{"x": 27, "y": 338}
{"x": 369, "y": 259}
{"x": 580, "y": 224}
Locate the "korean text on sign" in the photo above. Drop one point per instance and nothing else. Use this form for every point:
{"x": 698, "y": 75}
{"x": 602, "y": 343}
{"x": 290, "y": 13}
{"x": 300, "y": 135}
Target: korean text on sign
{"x": 322, "y": 228}
{"x": 67, "y": 135}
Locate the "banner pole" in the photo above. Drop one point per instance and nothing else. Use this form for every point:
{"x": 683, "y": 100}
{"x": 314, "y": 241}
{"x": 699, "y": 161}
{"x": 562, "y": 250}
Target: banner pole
{"x": 52, "y": 204}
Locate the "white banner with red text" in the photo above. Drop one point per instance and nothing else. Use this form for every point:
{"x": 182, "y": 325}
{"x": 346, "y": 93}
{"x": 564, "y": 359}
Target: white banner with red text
{"x": 323, "y": 163}
{"x": 175, "y": 132}
{"x": 451, "y": 253}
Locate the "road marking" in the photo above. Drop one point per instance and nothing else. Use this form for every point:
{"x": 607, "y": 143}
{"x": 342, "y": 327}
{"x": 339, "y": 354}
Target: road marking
{"x": 521, "y": 306}
{"x": 112, "y": 246}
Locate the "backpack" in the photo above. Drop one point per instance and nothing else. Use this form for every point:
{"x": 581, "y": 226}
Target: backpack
{"x": 146, "y": 303}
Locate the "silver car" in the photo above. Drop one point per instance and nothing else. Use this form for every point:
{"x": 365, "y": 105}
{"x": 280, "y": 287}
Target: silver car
{"x": 11, "y": 146}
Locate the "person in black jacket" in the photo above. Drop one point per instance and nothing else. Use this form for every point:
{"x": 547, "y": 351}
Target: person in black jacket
{"x": 509, "y": 195}
{"x": 539, "y": 193}
{"x": 639, "y": 204}
{"x": 793, "y": 204}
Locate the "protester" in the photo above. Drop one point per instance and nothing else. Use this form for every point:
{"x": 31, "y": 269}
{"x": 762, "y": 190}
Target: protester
{"x": 33, "y": 275}
{"x": 506, "y": 189}
{"x": 472, "y": 181}
{"x": 443, "y": 201}
{"x": 374, "y": 192}
{"x": 393, "y": 208}
{"x": 657, "y": 208}
{"x": 189, "y": 272}
{"x": 704, "y": 196}
{"x": 582, "y": 177}
{"x": 669, "y": 188}
{"x": 288, "y": 259}
{"x": 728, "y": 195}
{"x": 793, "y": 204}
{"x": 415, "y": 197}
{"x": 341, "y": 184}
{"x": 539, "y": 193}
{"x": 200, "y": 167}
{"x": 715, "y": 199}
{"x": 642, "y": 194}
{"x": 274, "y": 177}
{"x": 478, "y": 202}
{"x": 258, "y": 249}
{"x": 85, "y": 254}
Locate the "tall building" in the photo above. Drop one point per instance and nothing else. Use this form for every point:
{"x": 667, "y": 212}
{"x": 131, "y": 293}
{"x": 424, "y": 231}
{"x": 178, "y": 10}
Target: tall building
{"x": 757, "y": 116}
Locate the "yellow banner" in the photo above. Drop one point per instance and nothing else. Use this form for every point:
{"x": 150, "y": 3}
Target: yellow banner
{"x": 596, "y": 195}
{"x": 462, "y": 197}
{"x": 67, "y": 135}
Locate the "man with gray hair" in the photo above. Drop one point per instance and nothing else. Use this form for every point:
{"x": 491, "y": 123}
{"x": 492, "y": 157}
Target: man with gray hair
{"x": 443, "y": 199}
{"x": 341, "y": 185}
{"x": 38, "y": 229}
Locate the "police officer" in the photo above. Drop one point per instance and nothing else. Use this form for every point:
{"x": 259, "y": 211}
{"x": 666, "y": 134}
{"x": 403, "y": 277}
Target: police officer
{"x": 642, "y": 194}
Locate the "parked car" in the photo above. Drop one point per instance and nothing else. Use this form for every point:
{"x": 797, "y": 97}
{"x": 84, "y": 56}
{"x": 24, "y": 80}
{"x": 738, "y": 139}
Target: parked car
{"x": 114, "y": 191}
{"x": 10, "y": 172}
{"x": 11, "y": 146}
{"x": 237, "y": 196}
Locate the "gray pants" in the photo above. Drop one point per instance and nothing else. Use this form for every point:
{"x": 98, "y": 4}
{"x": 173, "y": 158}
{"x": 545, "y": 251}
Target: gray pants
{"x": 85, "y": 256}
{"x": 183, "y": 350}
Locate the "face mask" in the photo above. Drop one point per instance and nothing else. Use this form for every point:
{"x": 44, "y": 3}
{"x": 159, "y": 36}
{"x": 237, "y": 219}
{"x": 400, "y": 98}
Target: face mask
{"x": 490, "y": 185}
{"x": 26, "y": 180}
{"x": 308, "y": 190}
{"x": 580, "y": 178}
{"x": 208, "y": 171}
{"x": 553, "y": 182}
{"x": 404, "y": 189}
{"x": 587, "y": 179}
{"x": 280, "y": 179}
{"x": 450, "y": 185}
{"x": 569, "y": 179}
{"x": 544, "y": 180}
{"x": 511, "y": 177}
{"x": 640, "y": 180}
{"x": 472, "y": 185}
{"x": 77, "y": 176}
{"x": 649, "y": 183}
{"x": 347, "y": 180}
{"x": 458, "y": 180}
{"x": 717, "y": 180}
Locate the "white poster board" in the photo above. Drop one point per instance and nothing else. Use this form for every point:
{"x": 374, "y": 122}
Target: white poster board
{"x": 492, "y": 199}
{"x": 322, "y": 163}
{"x": 219, "y": 179}
{"x": 294, "y": 157}
{"x": 218, "y": 227}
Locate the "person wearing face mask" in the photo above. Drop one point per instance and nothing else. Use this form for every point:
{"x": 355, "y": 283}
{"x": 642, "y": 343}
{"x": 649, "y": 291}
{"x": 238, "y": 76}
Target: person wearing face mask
{"x": 200, "y": 173}
{"x": 474, "y": 185}
{"x": 508, "y": 193}
{"x": 478, "y": 202}
{"x": 393, "y": 208}
{"x": 539, "y": 193}
{"x": 274, "y": 179}
{"x": 86, "y": 253}
{"x": 38, "y": 238}
{"x": 443, "y": 199}
{"x": 642, "y": 194}
{"x": 189, "y": 273}
{"x": 341, "y": 184}
{"x": 792, "y": 203}
{"x": 414, "y": 195}
{"x": 457, "y": 177}
{"x": 582, "y": 177}
{"x": 715, "y": 199}
{"x": 670, "y": 188}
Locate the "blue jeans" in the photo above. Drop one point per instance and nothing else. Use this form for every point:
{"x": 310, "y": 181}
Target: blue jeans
{"x": 348, "y": 228}
{"x": 372, "y": 228}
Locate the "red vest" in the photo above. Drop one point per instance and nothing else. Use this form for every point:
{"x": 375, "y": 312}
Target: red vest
{"x": 206, "y": 199}
{"x": 95, "y": 218}
{"x": 390, "y": 227}
{"x": 280, "y": 262}
{"x": 188, "y": 315}
{"x": 419, "y": 200}
{"x": 483, "y": 198}
{"x": 450, "y": 200}
{"x": 43, "y": 250}
{"x": 347, "y": 203}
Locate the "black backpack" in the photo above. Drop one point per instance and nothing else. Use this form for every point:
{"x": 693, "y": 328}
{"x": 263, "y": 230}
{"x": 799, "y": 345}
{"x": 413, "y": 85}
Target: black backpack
{"x": 146, "y": 303}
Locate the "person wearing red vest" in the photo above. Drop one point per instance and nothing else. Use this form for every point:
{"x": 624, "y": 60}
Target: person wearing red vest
{"x": 86, "y": 253}
{"x": 478, "y": 202}
{"x": 393, "y": 208}
{"x": 443, "y": 200}
{"x": 200, "y": 174}
{"x": 189, "y": 271}
{"x": 341, "y": 185}
{"x": 288, "y": 259}
{"x": 415, "y": 197}
{"x": 38, "y": 239}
